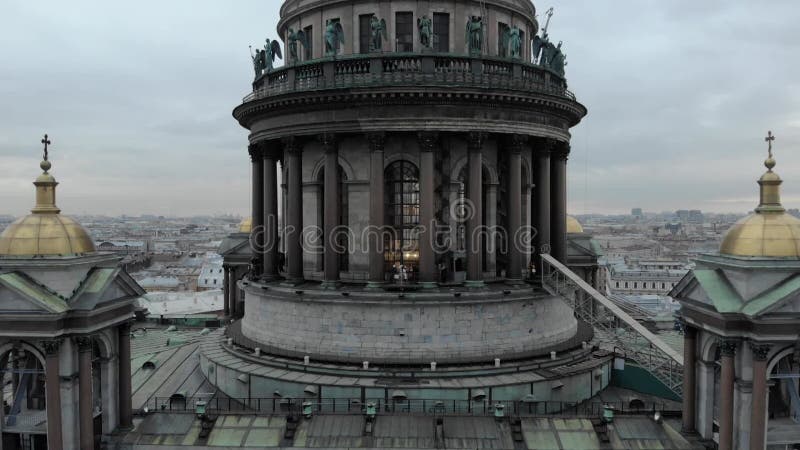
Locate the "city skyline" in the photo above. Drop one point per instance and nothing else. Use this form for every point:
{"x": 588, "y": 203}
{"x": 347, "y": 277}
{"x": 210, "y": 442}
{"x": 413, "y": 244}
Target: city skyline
{"x": 140, "y": 122}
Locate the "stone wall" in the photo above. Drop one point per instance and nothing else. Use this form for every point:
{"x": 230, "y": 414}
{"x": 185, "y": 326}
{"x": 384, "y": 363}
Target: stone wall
{"x": 473, "y": 327}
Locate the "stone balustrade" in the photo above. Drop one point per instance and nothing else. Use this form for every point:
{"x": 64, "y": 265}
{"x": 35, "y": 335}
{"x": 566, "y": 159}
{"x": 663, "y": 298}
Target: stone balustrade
{"x": 434, "y": 70}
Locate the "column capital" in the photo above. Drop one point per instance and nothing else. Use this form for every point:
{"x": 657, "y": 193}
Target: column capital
{"x": 377, "y": 140}
{"x": 51, "y": 346}
{"x": 125, "y": 327}
{"x": 475, "y": 140}
{"x": 328, "y": 141}
{"x": 760, "y": 350}
{"x": 689, "y": 332}
{"x": 84, "y": 343}
{"x": 291, "y": 144}
{"x": 517, "y": 142}
{"x": 560, "y": 150}
{"x": 727, "y": 347}
{"x": 255, "y": 150}
{"x": 428, "y": 140}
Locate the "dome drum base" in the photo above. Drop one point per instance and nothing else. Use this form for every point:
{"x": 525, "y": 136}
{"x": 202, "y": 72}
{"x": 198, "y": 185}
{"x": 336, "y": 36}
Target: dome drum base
{"x": 408, "y": 328}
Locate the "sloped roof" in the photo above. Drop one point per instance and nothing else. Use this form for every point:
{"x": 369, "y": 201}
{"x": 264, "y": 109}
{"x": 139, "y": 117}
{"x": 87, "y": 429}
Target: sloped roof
{"x": 726, "y": 300}
{"x": 34, "y": 292}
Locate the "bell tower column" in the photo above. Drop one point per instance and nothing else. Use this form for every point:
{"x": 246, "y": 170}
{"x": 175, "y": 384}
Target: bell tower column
{"x": 475, "y": 213}
{"x": 558, "y": 202}
{"x": 85, "y": 407}
{"x": 727, "y": 378}
{"x": 689, "y": 378}
{"x": 758, "y": 418}
{"x": 125, "y": 405}
{"x": 294, "y": 214}
{"x": 270, "y": 232}
{"x": 427, "y": 256}
{"x": 256, "y": 233}
{"x": 53, "y": 394}
{"x": 376, "y": 209}
{"x": 514, "y": 208}
{"x": 540, "y": 207}
{"x": 332, "y": 210}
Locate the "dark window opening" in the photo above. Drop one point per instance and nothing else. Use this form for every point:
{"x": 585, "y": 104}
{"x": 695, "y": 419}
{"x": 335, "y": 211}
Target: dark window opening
{"x": 364, "y": 32}
{"x": 404, "y": 31}
{"x": 441, "y": 32}
{"x": 309, "y": 49}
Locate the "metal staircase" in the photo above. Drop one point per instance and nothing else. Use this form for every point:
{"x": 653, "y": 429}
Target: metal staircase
{"x": 614, "y": 328}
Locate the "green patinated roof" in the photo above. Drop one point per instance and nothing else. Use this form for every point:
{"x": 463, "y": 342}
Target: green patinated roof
{"x": 719, "y": 290}
{"x": 33, "y": 291}
{"x": 726, "y": 300}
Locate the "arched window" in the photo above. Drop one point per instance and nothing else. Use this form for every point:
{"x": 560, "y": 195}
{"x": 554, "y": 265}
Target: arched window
{"x": 402, "y": 211}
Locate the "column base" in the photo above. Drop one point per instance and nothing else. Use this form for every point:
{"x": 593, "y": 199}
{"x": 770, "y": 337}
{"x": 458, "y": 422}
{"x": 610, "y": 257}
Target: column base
{"x": 514, "y": 281}
{"x": 330, "y": 284}
{"x": 374, "y": 286}
{"x": 270, "y": 278}
{"x": 428, "y": 284}
{"x": 292, "y": 282}
{"x": 474, "y": 284}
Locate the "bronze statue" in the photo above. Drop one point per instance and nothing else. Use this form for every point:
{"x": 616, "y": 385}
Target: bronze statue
{"x": 425, "y": 26}
{"x": 514, "y": 42}
{"x": 334, "y": 37}
{"x": 272, "y": 50}
{"x": 259, "y": 61}
{"x": 474, "y": 35}
{"x": 293, "y": 37}
{"x": 378, "y": 28}
{"x": 558, "y": 61}
{"x": 539, "y": 43}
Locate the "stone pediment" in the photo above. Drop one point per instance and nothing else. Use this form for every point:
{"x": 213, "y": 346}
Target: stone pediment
{"x": 581, "y": 246}
{"x": 20, "y": 293}
{"x": 104, "y": 285}
{"x": 236, "y": 245}
{"x": 713, "y": 288}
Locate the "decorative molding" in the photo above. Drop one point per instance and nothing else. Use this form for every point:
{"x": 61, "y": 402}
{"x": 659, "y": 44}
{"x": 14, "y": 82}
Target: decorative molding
{"x": 254, "y": 150}
{"x": 475, "y": 140}
{"x": 377, "y": 141}
{"x": 760, "y": 350}
{"x": 727, "y": 347}
{"x": 561, "y": 150}
{"x": 517, "y": 142}
{"x": 291, "y": 144}
{"x": 51, "y": 346}
{"x": 428, "y": 140}
{"x": 84, "y": 343}
{"x": 328, "y": 141}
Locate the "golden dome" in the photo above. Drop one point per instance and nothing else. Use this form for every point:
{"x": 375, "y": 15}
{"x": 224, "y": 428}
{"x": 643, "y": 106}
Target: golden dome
{"x": 246, "y": 225}
{"x": 768, "y": 232}
{"x": 573, "y": 226}
{"x": 45, "y": 232}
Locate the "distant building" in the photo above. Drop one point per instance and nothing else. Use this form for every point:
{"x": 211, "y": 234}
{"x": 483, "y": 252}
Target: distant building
{"x": 682, "y": 215}
{"x": 211, "y": 274}
{"x": 637, "y": 212}
{"x": 695, "y": 216}
{"x": 645, "y": 277}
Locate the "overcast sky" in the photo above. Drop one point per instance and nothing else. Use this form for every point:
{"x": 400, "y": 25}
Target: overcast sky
{"x": 137, "y": 98}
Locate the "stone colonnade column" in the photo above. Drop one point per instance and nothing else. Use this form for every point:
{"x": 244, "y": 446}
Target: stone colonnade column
{"x": 727, "y": 378}
{"x": 293, "y": 152}
{"x": 226, "y": 298}
{"x": 540, "y": 207}
{"x": 475, "y": 217}
{"x": 85, "y": 407}
{"x": 558, "y": 201}
{"x": 514, "y": 212}
{"x": 427, "y": 256}
{"x": 332, "y": 210}
{"x": 125, "y": 401}
{"x": 376, "y": 209}
{"x": 257, "y": 213}
{"x": 689, "y": 378}
{"x": 232, "y": 306}
{"x": 758, "y": 418}
{"x": 53, "y": 394}
{"x": 270, "y": 234}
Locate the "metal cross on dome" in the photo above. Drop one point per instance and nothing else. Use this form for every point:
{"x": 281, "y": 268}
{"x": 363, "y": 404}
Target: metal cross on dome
{"x": 769, "y": 140}
{"x": 46, "y": 142}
